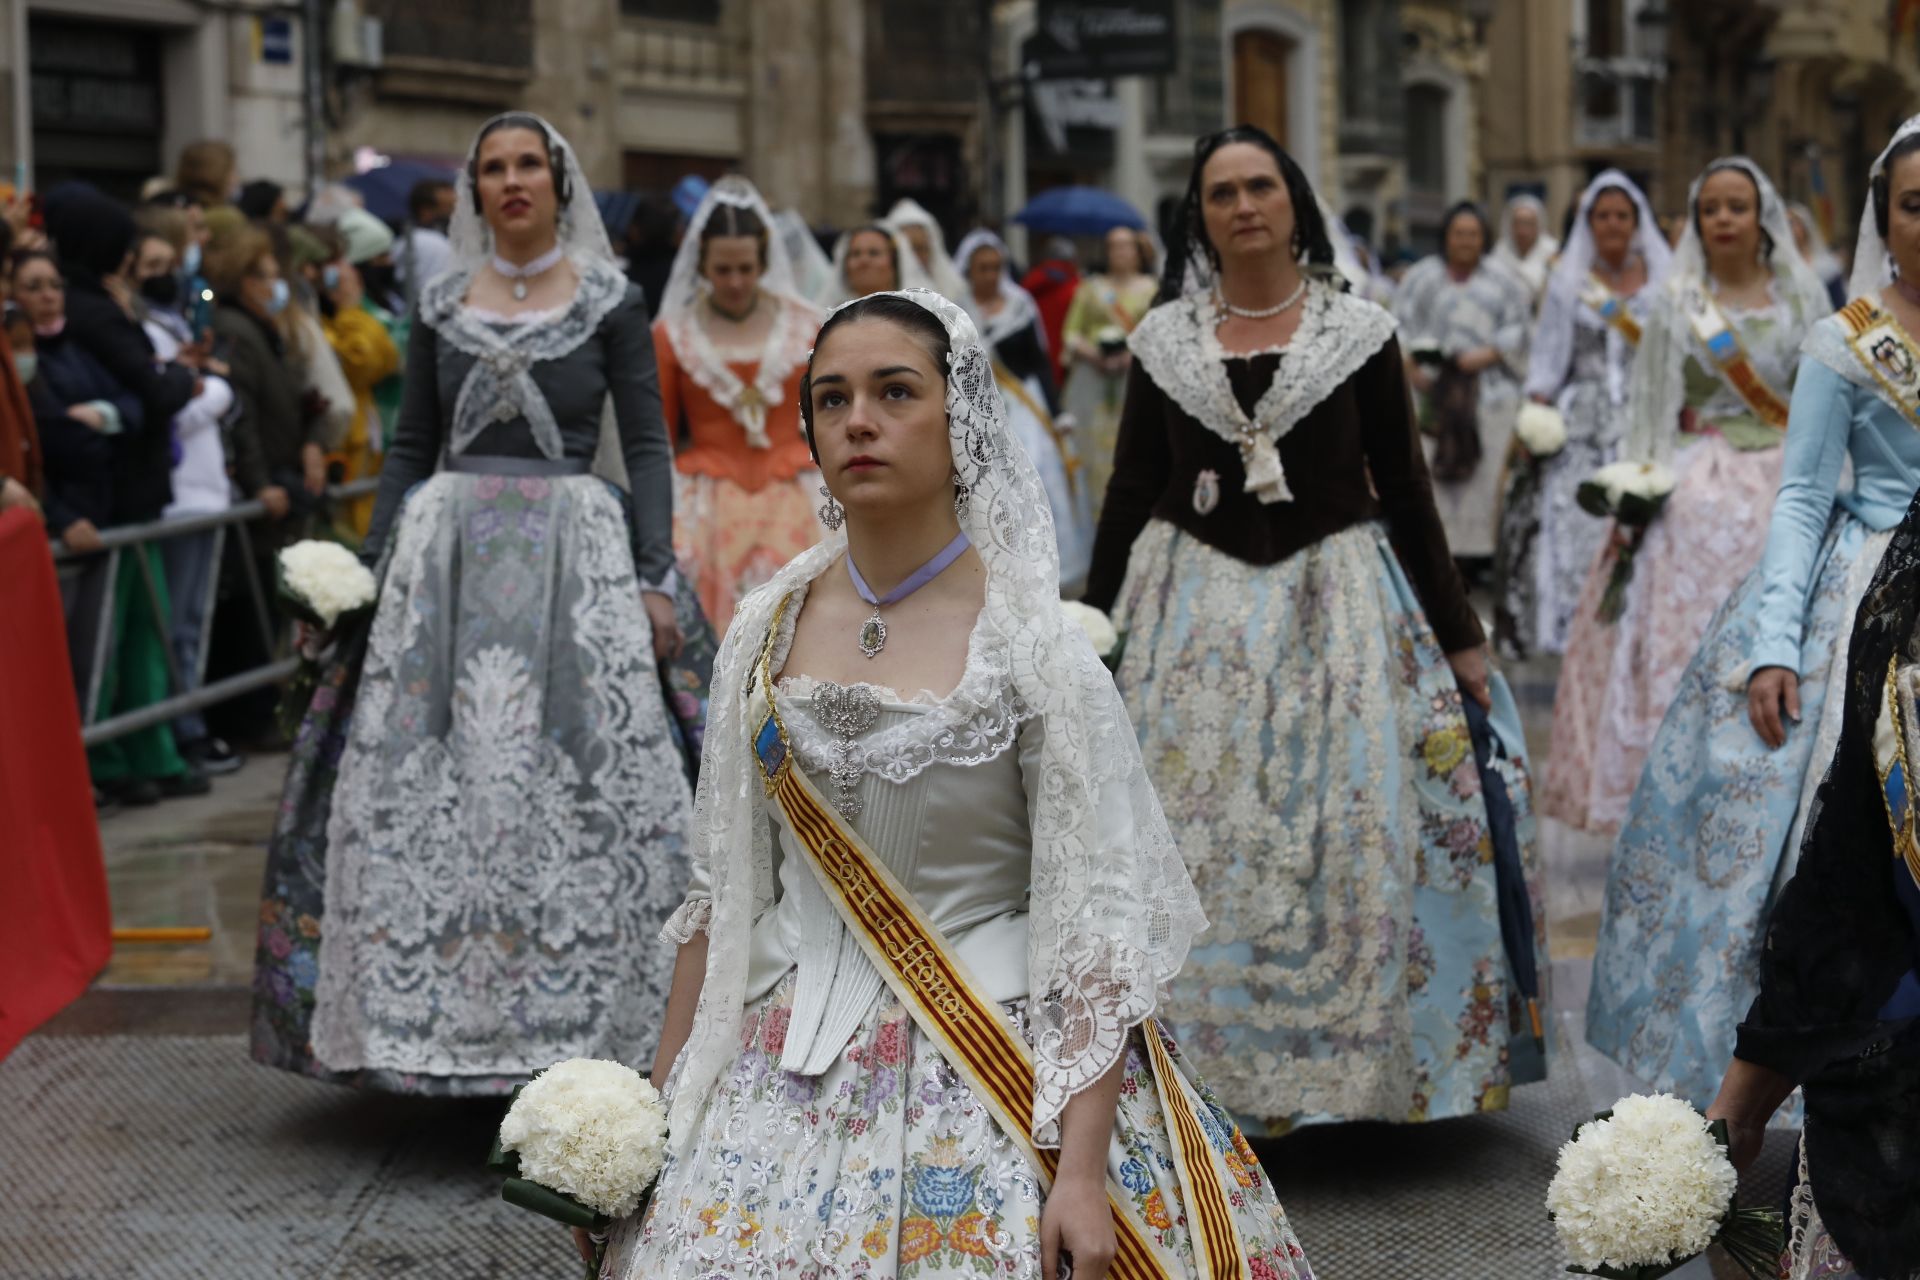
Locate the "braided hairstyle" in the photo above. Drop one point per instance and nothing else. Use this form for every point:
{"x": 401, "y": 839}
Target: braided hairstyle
{"x": 1312, "y": 245}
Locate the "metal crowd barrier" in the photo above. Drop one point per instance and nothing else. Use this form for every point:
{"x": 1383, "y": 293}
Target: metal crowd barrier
{"x": 184, "y": 696}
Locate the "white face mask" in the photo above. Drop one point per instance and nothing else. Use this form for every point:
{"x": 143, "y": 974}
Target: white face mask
{"x": 27, "y": 363}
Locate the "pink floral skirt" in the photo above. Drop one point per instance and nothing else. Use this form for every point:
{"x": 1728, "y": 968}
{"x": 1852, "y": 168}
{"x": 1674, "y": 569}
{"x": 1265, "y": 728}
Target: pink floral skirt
{"x": 1618, "y": 679}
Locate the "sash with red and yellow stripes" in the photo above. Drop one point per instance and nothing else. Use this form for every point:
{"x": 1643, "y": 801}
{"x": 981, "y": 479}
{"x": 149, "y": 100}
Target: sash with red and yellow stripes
{"x": 1610, "y": 307}
{"x": 1731, "y": 359}
{"x": 972, "y": 1031}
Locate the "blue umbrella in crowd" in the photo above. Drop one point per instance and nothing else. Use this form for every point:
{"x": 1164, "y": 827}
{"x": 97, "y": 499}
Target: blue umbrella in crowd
{"x": 385, "y": 189}
{"x": 1078, "y": 211}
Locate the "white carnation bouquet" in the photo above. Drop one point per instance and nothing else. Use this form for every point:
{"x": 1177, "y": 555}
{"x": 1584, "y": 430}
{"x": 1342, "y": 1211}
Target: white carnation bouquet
{"x": 1632, "y": 494}
{"x": 1542, "y": 429}
{"x": 1646, "y": 1187}
{"x": 1107, "y": 642}
{"x": 582, "y": 1144}
{"x": 324, "y": 584}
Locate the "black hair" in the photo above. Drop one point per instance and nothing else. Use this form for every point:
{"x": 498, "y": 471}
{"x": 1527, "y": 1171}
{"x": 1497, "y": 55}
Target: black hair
{"x": 732, "y": 220}
{"x": 1882, "y": 187}
{"x": 1310, "y": 236}
{"x": 893, "y": 247}
{"x": 1467, "y": 208}
{"x": 258, "y": 197}
{"x": 424, "y": 196}
{"x": 1614, "y": 188}
{"x": 556, "y": 155}
{"x": 1728, "y": 166}
{"x": 891, "y": 307}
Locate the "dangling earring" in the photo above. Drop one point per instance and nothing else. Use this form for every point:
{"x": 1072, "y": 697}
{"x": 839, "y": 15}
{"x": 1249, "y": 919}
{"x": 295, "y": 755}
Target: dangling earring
{"x": 960, "y": 495}
{"x": 832, "y": 514}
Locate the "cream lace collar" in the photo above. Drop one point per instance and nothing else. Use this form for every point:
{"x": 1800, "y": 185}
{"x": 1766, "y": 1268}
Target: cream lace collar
{"x": 789, "y": 338}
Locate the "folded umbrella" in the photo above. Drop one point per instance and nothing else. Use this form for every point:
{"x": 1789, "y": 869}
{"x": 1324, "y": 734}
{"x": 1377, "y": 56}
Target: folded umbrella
{"x": 1491, "y": 735}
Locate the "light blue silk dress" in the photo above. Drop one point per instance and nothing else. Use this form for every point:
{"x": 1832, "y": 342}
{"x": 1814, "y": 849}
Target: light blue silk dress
{"x": 1714, "y": 827}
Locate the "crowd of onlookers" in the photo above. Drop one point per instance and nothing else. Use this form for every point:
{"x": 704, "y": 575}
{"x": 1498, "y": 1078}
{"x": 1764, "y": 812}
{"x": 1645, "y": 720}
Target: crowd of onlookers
{"x": 201, "y": 348}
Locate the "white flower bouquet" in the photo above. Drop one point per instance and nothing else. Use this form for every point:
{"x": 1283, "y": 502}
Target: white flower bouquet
{"x": 1632, "y": 494}
{"x": 1426, "y": 351}
{"x": 1111, "y": 339}
{"x": 582, "y": 1144}
{"x": 1108, "y": 643}
{"x": 1541, "y": 428}
{"x": 325, "y": 582}
{"x": 1646, "y": 1187}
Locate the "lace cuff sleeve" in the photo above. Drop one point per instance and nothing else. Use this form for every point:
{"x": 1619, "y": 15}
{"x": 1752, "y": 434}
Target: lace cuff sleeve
{"x": 695, "y": 915}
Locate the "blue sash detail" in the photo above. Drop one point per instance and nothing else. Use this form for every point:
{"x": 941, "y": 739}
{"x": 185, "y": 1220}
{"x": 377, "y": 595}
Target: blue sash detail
{"x": 770, "y": 747}
{"x": 1723, "y": 345}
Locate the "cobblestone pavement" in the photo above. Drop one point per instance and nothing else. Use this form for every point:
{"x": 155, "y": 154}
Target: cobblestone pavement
{"x": 140, "y": 1141}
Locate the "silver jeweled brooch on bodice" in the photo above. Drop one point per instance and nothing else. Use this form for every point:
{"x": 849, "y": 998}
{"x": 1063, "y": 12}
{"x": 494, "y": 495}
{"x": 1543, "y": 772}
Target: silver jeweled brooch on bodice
{"x": 846, "y": 711}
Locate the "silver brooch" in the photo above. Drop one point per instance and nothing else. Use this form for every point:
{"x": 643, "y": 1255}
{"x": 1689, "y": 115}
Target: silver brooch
{"x": 846, "y": 711}
{"x": 1206, "y": 492}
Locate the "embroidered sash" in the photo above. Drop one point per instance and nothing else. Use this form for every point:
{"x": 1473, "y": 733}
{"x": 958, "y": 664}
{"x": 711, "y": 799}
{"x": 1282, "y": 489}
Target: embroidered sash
{"x": 1736, "y": 368}
{"x": 1012, "y": 386}
{"x": 1886, "y": 352}
{"x": 1612, "y": 308}
{"x": 971, "y": 1030}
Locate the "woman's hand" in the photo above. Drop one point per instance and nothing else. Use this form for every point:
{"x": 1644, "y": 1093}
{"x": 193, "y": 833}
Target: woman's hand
{"x": 584, "y": 1243}
{"x": 1117, "y": 363}
{"x": 14, "y": 494}
{"x": 1477, "y": 360}
{"x": 81, "y": 536}
{"x": 275, "y": 500}
{"x": 1470, "y": 672}
{"x": 1077, "y": 1224}
{"x": 1749, "y": 1095}
{"x": 313, "y": 469}
{"x": 1421, "y": 376}
{"x": 667, "y": 640}
{"x": 1771, "y": 689}
{"x": 89, "y": 415}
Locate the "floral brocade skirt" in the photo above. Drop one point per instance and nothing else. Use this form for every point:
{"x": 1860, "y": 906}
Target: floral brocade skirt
{"x": 486, "y": 811}
{"x": 1619, "y": 678}
{"x": 888, "y": 1165}
{"x": 1713, "y": 833}
{"x": 1309, "y": 744}
{"x": 731, "y": 540}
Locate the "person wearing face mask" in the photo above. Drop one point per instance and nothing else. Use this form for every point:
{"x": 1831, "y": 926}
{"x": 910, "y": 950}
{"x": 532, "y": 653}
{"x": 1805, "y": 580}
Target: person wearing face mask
{"x": 200, "y": 483}
{"x": 366, "y": 353}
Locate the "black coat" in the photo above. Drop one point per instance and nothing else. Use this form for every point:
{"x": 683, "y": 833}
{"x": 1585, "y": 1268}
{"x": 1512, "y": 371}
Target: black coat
{"x": 143, "y": 459}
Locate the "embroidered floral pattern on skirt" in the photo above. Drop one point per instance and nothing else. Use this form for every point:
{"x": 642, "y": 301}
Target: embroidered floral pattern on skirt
{"x": 888, "y": 1165}
{"x": 1306, "y": 737}
{"x": 730, "y": 539}
{"x": 1713, "y": 834}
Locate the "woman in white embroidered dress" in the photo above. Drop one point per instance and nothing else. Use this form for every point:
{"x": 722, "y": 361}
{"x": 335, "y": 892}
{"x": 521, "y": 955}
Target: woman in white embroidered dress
{"x": 1296, "y": 653}
{"x": 732, "y": 339}
{"x": 923, "y": 234}
{"x": 1580, "y": 363}
{"x": 1010, "y": 329}
{"x": 1524, "y": 247}
{"x": 510, "y": 821}
{"x": 815, "y": 1128}
{"x": 874, "y": 259}
{"x": 1737, "y": 274}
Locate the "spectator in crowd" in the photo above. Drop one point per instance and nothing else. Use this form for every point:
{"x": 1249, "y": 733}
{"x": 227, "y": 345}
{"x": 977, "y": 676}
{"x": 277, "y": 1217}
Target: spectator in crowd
{"x": 200, "y": 484}
{"x": 424, "y": 250}
{"x": 324, "y": 393}
{"x": 365, "y": 349}
{"x": 196, "y": 299}
{"x": 263, "y": 201}
{"x": 78, "y": 474}
{"x": 208, "y": 173}
{"x": 103, "y": 416}
{"x": 1053, "y": 281}
{"x": 22, "y": 468}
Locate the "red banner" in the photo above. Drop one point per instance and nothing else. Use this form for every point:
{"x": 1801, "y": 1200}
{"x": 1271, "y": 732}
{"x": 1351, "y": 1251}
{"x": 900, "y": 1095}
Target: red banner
{"x": 55, "y": 925}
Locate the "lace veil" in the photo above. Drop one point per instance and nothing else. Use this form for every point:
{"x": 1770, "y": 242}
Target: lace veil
{"x": 500, "y": 386}
{"x": 1020, "y": 309}
{"x": 912, "y": 274}
{"x": 1553, "y": 339}
{"x": 1657, "y": 392}
{"x": 1531, "y": 266}
{"x": 1112, "y": 912}
{"x": 788, "y": 337}
{"x": 1872, "y": 264}
{"x": 948, "y": 279}
{"x": 812, "y": 266}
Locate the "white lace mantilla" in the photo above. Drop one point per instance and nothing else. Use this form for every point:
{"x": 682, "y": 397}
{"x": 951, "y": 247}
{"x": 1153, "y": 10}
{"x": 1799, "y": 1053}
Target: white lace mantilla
{"x": 789, "y": 341}
{"x": 500, "y": 386}
{"x": 1179, "y": 345}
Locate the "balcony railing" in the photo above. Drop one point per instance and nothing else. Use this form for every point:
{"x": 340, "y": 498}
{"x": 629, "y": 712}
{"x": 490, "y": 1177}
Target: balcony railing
{"x": 1616, "y": 102}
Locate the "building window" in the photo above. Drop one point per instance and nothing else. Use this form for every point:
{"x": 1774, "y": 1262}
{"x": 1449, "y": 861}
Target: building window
{"x": 1427, "y": 141}
{"x": 704, "y": 12}
{"x": 1261, "y": 60}
{"x": 1606, "y": 28}
{"x": 487, "y": 33}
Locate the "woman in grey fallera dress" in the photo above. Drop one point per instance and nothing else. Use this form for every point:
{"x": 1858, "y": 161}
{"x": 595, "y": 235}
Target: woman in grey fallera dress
{"x": 507, "y": 831}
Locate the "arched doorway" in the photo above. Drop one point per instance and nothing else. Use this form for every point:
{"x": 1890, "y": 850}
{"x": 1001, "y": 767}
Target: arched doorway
{"x": 1262, "y": 62}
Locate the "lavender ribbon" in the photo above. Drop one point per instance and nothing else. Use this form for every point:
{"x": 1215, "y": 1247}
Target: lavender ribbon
{"x": 917, "y": 579}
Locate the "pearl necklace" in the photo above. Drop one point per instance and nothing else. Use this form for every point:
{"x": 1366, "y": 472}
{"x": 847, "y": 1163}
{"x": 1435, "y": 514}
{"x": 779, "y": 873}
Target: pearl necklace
{"x": 520, "y": 273}
{"x": 1266, "y": 313}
